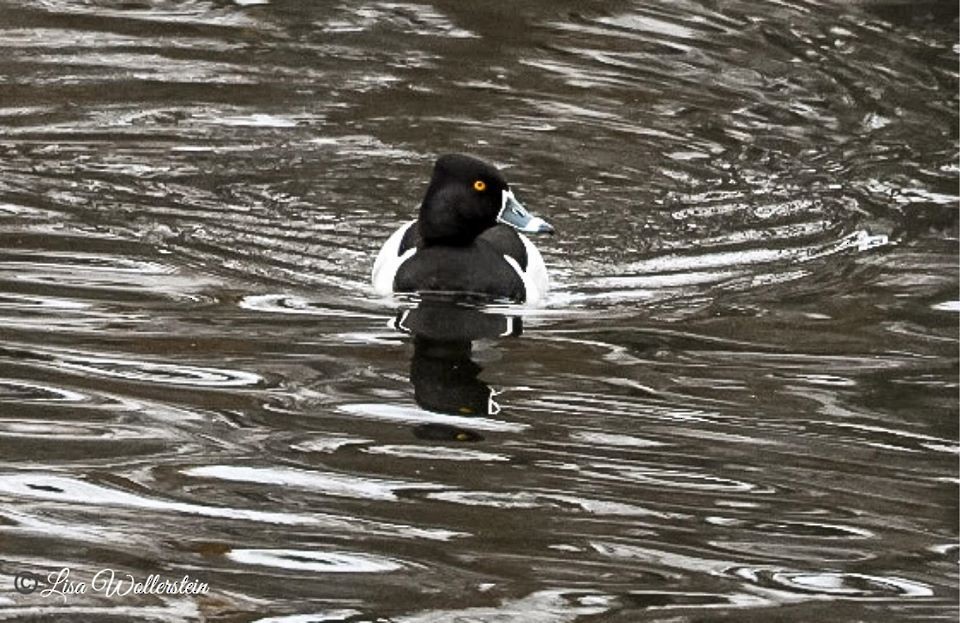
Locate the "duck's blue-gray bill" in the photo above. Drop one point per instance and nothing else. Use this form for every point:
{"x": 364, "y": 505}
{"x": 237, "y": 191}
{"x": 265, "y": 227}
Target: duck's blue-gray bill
{"x": 514, "y": 214}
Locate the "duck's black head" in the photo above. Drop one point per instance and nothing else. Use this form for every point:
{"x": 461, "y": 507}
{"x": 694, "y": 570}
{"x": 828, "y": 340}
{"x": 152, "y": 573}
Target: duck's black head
{"x": 467, "y": 196}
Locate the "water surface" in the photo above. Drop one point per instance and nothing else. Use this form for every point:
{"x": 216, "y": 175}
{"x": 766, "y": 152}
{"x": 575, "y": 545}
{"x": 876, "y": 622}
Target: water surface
{"x": 739, "y": 402}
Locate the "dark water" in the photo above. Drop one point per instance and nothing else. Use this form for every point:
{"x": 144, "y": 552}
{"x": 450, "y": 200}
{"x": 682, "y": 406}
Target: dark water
{"x": 739, "y": 404}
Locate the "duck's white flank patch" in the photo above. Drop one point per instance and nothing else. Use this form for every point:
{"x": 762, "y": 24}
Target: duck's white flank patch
{"x": 535, "y": 282}
{"x": 389, "y": 260}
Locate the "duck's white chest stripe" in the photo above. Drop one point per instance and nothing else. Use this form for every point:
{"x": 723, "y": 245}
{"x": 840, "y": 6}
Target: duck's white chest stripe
{"x": 536, "y": 272}
{"x": 388, "y": 261}
{"x": 535, "y": 277}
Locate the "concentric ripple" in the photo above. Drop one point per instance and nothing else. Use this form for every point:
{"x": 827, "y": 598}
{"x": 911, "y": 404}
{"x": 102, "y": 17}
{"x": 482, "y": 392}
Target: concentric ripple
{"x": 849, "y": 585}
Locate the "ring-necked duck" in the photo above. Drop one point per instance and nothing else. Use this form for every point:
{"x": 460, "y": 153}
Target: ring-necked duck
{"x": 462, "y": 243}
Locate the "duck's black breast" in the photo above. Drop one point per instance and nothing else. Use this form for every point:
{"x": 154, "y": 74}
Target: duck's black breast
{"x": 411, "y": 238}
{"x": 506, "y": 241}
{"x": 478, "y": 268}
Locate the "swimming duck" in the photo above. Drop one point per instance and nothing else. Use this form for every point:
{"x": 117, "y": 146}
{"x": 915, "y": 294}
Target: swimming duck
{"x": 467, "y": 239}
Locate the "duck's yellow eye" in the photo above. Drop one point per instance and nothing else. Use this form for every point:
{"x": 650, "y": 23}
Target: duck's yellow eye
{"x": 479, "y": 186}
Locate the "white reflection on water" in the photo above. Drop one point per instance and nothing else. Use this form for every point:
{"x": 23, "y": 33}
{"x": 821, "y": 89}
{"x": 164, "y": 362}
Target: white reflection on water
{"x": 524, "y": 499}
{"x": 436, "y": 453}
{"x": 330, "y": 483}
{"x": 71, "y": 491}
{"x": 546, "y": 606}
{"x": 164, "y": 373}
{"x": 414, "y": 415}
{"x": 325, "y": 616}
{"x": 317, "y": 561}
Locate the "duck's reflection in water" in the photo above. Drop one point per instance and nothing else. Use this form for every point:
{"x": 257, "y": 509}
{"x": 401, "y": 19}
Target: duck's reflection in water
{"x": 444, "y": 375}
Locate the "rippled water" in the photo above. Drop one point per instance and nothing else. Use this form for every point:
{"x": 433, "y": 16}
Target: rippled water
{"x": 739, "y": 403}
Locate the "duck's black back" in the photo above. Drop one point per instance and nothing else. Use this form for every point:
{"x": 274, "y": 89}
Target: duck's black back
{"x": 478, "y": 268}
